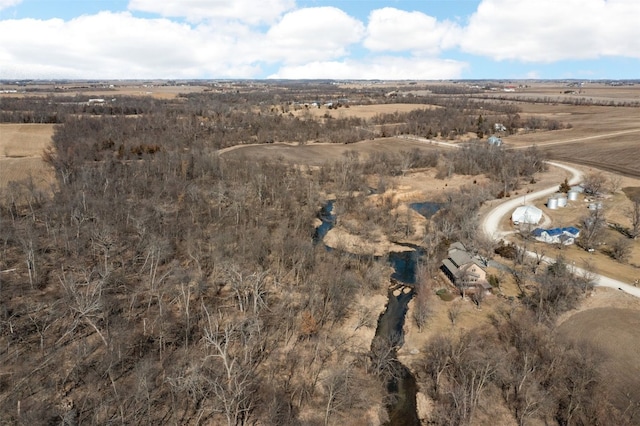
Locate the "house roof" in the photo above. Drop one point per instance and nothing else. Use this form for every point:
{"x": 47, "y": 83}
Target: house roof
{"x": 571, "y": 230}
{"x": 450, "y": 266}
{"x": 457, "y": 246}
{"x": 459, "y": 257}
{"x": 554, "y": 232}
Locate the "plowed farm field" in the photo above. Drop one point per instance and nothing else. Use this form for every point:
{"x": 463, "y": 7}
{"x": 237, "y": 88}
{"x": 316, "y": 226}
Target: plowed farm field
{"x": 607, "y": 138}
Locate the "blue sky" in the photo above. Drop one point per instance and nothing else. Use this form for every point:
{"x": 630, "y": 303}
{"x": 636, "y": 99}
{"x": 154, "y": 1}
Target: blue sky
{"x": 352, "y": 39}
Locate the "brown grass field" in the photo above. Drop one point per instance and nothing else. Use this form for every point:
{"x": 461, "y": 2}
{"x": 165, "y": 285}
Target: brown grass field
{"x": 610, "y": 321}
{"x": 21, "y": 148}
{"x": 158, "y": 91}
{"x": 365, "y": 112}
{"x": 320, "y": 153}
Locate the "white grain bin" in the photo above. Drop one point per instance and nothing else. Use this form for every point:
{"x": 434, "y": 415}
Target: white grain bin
{"x": 552, "y": 203}
{"x": 562, "y": 200}
{"x": 573, "y": 195}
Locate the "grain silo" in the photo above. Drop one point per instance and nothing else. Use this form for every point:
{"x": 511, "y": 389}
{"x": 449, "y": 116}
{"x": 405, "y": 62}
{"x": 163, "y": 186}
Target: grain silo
{"x": 573, "y": 195}
{"x": 552, "y": 203}
{"x": 562, "y": 200}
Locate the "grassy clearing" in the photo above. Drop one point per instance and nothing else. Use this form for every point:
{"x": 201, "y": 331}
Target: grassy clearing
{"x": 24, "y": 140}
{"x": 615, "y": 332}
{"x": 319, "y": 154}
{"x": 361, "y": 111}
{"x": 21, "y": 147}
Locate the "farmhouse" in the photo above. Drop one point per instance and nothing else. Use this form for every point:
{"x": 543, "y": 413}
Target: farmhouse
{"x": 526, "y": 214}
{"x": 566, "y": 236}
{"x": 463, "y": 271}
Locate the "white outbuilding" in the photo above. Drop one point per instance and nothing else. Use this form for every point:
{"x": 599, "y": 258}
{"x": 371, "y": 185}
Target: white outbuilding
{"x": 526, "y": 214}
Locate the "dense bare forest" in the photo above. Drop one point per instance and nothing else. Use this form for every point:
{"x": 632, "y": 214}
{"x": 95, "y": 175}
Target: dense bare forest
{"x": 159, "y": 282}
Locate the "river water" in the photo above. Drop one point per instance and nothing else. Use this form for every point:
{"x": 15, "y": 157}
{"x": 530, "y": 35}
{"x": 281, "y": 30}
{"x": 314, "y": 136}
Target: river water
{"x": 402, "y": 387}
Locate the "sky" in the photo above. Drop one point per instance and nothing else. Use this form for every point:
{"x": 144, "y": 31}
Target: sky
{"x": 320, "y": 39}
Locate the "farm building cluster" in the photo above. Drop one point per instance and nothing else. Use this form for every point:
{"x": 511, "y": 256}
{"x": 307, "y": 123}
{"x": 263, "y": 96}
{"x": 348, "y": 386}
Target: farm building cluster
{"x": 531, "y": 215}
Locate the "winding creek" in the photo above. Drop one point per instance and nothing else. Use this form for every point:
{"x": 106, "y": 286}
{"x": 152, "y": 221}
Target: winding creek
{"x": 402, "y": 387}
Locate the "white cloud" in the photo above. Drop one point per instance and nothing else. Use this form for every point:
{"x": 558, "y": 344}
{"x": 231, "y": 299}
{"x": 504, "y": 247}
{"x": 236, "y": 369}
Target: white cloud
{"x": 395, "y": 30}
{"x": 383, "y": 68}
{"x": 550, "y": 30}
{"x": 118, "y": 45}
{"x": 8, "y": 3}
{"x": 249, "y": 11}
{"x": 311, "y": 34}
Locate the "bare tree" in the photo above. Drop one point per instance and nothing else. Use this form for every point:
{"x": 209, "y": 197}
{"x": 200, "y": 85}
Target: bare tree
{"x": 342, "y": 392}
{"x": 634, "y": 214}
{"x": 483, "y": 247}
{"x": 620, "y": 249}
{"x": 423, "y": 295}
{"x": 453, "y": 313}
{"x": 614, "y": 183}
{"x": 436, "y": 360}
{"x": 594, "y": 183}
{"x": 382, "y": 357}
{"x": 478, "y": 296}
{"x": 85, "y": 302}
{"x": 365, "y": 317}
{"x": 592, "y": 226}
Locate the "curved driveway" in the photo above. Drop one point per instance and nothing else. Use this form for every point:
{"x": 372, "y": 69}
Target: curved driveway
{"x": 491, "y": 222}
{"x": 491, "y": 227}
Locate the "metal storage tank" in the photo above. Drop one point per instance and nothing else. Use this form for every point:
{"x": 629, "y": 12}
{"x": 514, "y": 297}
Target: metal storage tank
{"x": 573, "y": 195}
{"x": 552, "y": 203}
{"x": 562, "y": 201}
